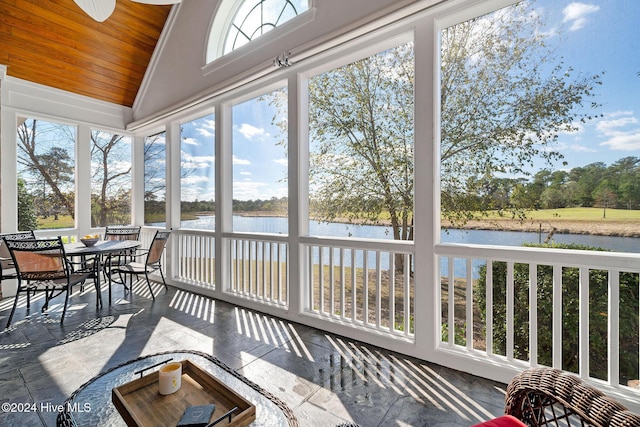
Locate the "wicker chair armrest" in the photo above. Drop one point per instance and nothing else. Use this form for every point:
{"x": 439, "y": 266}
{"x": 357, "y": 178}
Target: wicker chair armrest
{"x": 548, "y": 396}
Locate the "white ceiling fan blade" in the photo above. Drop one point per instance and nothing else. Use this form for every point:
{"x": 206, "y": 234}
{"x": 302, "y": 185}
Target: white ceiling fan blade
{"x": 99, "y": 10}
{"x": 157, "y": 1}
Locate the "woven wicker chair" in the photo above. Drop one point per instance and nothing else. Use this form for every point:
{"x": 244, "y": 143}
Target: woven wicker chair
{"x": 551, "y": 397}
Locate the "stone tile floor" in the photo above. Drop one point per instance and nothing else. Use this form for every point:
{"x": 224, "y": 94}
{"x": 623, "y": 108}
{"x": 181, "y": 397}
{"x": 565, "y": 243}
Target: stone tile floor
{"x": 325, "y": 379}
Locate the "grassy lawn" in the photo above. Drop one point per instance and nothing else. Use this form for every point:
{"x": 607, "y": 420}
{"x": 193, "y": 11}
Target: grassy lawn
{"x": 586, "y": 214}
{"x": 594, "y": 215}
{"x": 50, "y": 223}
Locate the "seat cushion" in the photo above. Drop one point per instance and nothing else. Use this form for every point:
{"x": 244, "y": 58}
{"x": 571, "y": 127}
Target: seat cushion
{"x": 503, "y": 421}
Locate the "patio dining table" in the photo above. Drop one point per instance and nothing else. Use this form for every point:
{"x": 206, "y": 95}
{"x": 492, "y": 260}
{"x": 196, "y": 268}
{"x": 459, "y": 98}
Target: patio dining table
{"x": 100, "y": 249}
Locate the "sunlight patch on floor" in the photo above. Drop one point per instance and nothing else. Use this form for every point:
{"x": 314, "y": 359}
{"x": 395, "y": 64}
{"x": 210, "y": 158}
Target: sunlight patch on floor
{"x": 196, "y": 305}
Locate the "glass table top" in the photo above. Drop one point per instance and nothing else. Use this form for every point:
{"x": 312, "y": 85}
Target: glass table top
{"x": 91, "y": 404}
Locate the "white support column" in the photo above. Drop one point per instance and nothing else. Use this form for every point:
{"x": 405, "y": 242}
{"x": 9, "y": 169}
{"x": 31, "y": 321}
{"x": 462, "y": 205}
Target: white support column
{"x": 8, "y": 166}
{"x": 83, "y": 179}
{"x": 173, "y": 166}
{"x": 224, "y": 193}
{"x": 298, "y": 181}
{"x": 137, "y": 180}
{"x": 426, "y": 188}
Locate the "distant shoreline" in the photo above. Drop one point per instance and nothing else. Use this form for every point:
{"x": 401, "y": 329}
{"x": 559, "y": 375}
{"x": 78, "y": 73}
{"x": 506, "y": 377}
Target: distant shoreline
{"x": 603, "y": 227}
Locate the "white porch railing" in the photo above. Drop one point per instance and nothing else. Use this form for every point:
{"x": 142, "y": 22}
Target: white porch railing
{"x": 537, "y": 306}
{"x": 258, "y": 268}
{"x": 563, "y": 295}
{"x": 366, "y": 284}
{"x": 196, "y": 257}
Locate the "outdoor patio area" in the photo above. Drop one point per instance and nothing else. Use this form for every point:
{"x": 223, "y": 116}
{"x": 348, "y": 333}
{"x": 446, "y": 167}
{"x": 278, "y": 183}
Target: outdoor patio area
{"x": 325, "y": 379}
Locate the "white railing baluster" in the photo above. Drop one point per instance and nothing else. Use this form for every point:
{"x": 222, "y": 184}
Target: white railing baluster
{"x": 321, "y": 279}
{"x": 469, "y": 308}
{"x": 392, "y": 291}
{"x": 509, "y": 310}
{"x": 354, "y": 295}
{"x": 332, "y": 282}
{"x": 557, "y": 317}
{"x": 378, "y": 290}
{"x": 533, "y": 314}
{"x": 407, "y": 315}
{"x": 583, "y": 324}
{"x": 451, "y": 294}
{"x": 614, "y": 327}
{"x": 342, "y": 285}
{"x": 489, "y": 308}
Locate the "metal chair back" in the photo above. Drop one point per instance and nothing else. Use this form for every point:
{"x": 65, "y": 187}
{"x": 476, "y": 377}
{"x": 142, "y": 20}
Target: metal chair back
{"x": 41, "y": 260}
{"x": 121, "y": 232}
{"x": 6, "y": 264}
{"x": 157, "y": 247}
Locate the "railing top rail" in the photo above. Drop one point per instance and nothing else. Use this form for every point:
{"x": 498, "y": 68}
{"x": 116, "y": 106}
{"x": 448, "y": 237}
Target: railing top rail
{"x": 370, "y": 244}
{"x": 263, "y": 237}
{"x": 548, "y": 256}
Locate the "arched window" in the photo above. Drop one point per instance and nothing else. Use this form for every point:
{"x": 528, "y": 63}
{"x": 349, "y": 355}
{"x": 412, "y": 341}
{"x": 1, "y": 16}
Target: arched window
{"x": 237, "y": 22}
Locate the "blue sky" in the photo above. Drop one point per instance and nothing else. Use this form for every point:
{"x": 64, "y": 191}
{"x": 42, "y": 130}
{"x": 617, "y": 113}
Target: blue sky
{"x": 601, "y": 36}
{"x": 596, "y": 36}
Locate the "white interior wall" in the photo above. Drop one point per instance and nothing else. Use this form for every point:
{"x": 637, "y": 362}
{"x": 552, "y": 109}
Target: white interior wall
{"x": 177, "y": 72}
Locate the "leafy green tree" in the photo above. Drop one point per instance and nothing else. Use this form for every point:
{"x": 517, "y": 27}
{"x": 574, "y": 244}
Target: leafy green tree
{"x": 27, "y": 219}
{"x": 505, "y": 99}
{"x": 587, "y": 179}
{"x": 361, "y": 131}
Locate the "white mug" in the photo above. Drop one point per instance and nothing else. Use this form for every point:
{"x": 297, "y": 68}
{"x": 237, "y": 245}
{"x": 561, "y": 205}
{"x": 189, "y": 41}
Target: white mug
{"x": 170, "y": 378}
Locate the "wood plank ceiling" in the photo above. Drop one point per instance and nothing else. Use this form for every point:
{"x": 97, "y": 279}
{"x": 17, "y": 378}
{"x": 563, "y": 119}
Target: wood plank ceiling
{"x": 54, "y": 43}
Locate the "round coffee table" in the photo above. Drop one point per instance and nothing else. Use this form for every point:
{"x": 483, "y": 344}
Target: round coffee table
{"x": 90, "y": 405}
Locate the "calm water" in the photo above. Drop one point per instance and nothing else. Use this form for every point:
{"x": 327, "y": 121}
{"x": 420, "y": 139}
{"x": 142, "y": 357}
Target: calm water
{"x": 485, "y": 237}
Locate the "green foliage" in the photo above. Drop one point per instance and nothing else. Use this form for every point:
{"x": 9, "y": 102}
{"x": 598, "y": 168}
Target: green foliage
{"x": 459, "y": 337}
{"x": 361, "y": 148}
{"x": 27, "y": 219}
{"x": 504, "y": 101}
{"x": 598, "y": 315}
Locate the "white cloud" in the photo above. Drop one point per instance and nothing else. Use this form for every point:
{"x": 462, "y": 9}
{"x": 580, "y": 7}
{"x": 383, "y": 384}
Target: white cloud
{"x": 575, "y": 13}
{"x": 281, "y": 161}
{"x": 582, "y": 149}
{"x": 208, "y": 128}
{"x": 620, "y": 130}
{"x": 239, "y": 161}
{"x": 624, "y": 141}
{"x": 190, "y": 141}
{"x": 196, "y": 162}
{"x": 252, "y": 190}
{"x": 249, "y": 131}
{"x": 607, "y": 126}
{"x": 194, "y": 179}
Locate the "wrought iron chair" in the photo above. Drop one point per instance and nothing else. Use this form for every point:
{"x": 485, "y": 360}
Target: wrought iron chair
{"x": 119, "y": 232}
{"x": 42, "y": 265}
{"x": 7, "y": 269}
{"x": 153, "y": 261}
{"x": 551, "y": 397}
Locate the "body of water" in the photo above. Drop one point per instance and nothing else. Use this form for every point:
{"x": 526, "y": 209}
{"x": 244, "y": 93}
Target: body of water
{"x": 483, "y": 237}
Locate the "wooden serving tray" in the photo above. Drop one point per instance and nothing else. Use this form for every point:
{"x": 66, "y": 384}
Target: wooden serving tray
{"x": 140, "y": 403}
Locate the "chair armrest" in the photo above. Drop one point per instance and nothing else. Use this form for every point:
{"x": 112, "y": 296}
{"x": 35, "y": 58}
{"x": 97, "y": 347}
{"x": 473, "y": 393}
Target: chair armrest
{"x": 533, "y": 393}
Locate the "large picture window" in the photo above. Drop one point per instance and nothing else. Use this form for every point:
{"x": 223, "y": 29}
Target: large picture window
{"x": 361, "y": 147}
{"x": 155, "y": 180}
{"x": 110, "y": 179}
{"x": 197, "y": 154}
{"x": 260, "y": 193}
{"x": 46, "y": 174}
